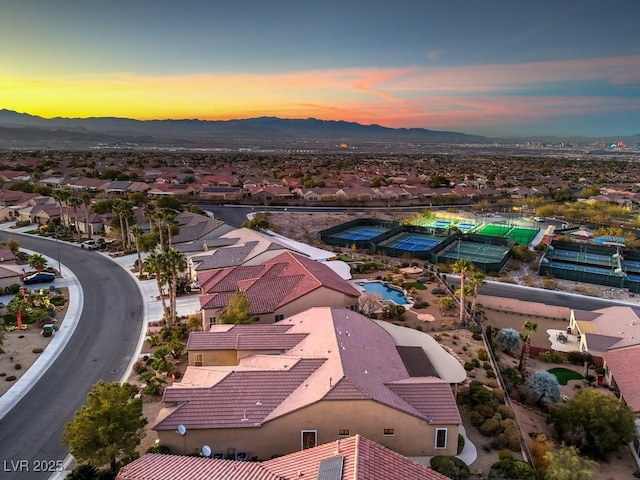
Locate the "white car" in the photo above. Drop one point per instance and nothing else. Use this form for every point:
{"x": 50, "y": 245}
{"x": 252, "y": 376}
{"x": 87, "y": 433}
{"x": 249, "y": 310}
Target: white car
{"x": 538, "y": 218}
{"x": 90, "y": 245}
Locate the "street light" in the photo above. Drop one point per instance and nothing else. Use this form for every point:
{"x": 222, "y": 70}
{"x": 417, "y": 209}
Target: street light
{"x": 55, "y": 234}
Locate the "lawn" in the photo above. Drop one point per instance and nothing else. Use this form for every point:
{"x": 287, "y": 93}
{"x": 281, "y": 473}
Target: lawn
{"x": 564, "y": 375}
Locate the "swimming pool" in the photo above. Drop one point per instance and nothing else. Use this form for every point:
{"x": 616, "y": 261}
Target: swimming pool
{"x": 388, "y": 294}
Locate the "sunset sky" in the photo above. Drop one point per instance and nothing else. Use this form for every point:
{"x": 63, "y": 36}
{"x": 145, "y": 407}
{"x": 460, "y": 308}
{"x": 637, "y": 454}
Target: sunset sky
{"x": 496, "y": 67}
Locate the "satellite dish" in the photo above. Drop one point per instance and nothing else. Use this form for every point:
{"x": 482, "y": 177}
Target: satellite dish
{"x": 182, "y": 430}
{"x": 206, "y": 450}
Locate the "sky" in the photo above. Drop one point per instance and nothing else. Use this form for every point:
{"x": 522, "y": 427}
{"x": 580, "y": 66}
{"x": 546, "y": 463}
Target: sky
{"x": 492, "y": 67}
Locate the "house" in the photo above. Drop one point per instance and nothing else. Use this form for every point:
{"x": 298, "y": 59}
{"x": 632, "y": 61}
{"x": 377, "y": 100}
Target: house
{"x": 9, "y": 275}
{"x": 606, "y": 329}
{"x": 277, "y": 288}
{"x": 341, "y": 375}
{"x": 350, "y": 458}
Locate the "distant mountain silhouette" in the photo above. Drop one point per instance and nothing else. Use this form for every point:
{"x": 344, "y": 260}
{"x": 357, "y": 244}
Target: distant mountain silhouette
{"x": 21, "y": 129}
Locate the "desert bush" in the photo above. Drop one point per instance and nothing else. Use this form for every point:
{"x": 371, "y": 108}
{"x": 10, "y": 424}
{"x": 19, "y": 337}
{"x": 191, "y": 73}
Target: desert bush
{"x": 476, "y": 418}
{"x": 483, "y": 356}
{"x": 490, "y": 427}
{"x": 512, "y": 469}
{"x": 485, "y": 410}
{"x": 37, "y": 350}
{"x": 476, "y": 336}
{"x": 505, "y": 412}
{"x": 578, "y": 358}
{"x": 439, "y": 291}
{"x": 10, "y": 378}
{"x": 452, "y": 467}
{"x": 551, "y": 357}
{"x": 486, "y": 366}
{"x": 468, "y": 366}
{"x": 498, "y": 395}
{"x": 58, "y": 300}
{"x": 18, "y": 366}
{"x": 461, "y": 442}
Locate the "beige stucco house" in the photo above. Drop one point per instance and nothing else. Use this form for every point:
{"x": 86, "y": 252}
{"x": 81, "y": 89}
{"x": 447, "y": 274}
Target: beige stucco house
{"x": 320, "y": 375}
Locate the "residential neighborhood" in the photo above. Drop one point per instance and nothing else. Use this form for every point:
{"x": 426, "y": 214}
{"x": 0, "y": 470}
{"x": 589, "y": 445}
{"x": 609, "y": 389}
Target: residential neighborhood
{"x": 284, "y": 349}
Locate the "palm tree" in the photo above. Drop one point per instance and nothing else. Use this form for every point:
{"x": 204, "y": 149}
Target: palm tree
{"x": 37, "y": 261}
{"x": 462, "y": 266}
{"x": 85, "y": 196}
{"x": 149, "y": 210}
{"x": 154, "y": 266}
{"x": 137, "y": 232}
{"x": 477, "y": 278}
{"x": 123, "y": 209}
{"x": 74, "y": 202}
{"x": 529, "y": 327}
{"x": 174, "y": 262}
{"x": 61, "y": 196}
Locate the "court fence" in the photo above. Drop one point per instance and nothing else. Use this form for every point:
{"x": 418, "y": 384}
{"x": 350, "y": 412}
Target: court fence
{"x": 578, "y": 268}
{"x": 330, "y": 236}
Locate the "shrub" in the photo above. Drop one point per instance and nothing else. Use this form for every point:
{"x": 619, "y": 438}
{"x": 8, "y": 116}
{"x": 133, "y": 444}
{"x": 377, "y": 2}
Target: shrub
{"x": 18, "y": 366}
{"x": 498, "y": 395}
{"x": 505, "y": 411}
{"x": 578, "y": 358}
{"x": 485, "y": 410}
{"x": 58, "y": 300}
{"x": 505, "y": 455}
{"x": 512, "y": 469}
{"x": 37, "y": 350}
{"x": 476, "y": 336}
{"x": 461, "y": 442}
{"x": 163, "y": 449}
{"x": 10, "y": 378}
{"x": 551, "y": 357}
{"x": 452, "y": 467}
{"x": 468, "y": 366}
{"x": 483, "y": 356}
{"x": 486, "y": 366}
{"x": 476, "y": 418}
{"x": 490, "y": 427}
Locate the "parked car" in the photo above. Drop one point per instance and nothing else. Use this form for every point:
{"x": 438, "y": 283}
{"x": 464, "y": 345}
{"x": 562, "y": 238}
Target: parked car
{"x": 90, "y": 245}
{"x": 539, "y": 218}
{"x": 39, "y": 277}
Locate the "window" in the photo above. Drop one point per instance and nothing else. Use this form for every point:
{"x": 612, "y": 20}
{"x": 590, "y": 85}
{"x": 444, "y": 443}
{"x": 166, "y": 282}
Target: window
{"x": 441, "y": 438}
{"x": 343, "y": 432}
{"x": 279, "y": 317}
{"x": 309, "y": 438}
{"x": 212, "y": 320}
{"x": 389, "y": 432}
{"x": 197, "y": 361}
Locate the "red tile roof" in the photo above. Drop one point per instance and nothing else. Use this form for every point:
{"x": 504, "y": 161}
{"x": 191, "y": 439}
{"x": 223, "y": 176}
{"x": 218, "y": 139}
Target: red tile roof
{"x": 225, "y": 337}
{"x": 623, "y": 364}
{"x": 338, "y": 355}
{"x": 363, "y": 459}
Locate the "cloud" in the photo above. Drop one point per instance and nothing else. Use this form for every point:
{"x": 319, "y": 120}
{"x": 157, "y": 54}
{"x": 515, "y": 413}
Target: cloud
{"x": 425, "y": 96}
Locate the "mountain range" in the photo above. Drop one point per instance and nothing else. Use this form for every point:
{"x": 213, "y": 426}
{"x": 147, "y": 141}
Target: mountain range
{"x": 22, "y": 130}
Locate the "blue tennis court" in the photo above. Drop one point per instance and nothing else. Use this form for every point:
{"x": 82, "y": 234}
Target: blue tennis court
{"x": 413, "y": 242}
{"x": 362, "y": 233}
{"x": 568, "y": 254}
{"x": 632, "y": 264}
{"x": 601, "y": 271}
{"x": 563, "y": 266}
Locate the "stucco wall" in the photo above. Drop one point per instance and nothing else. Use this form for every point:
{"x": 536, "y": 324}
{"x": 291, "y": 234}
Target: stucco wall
{"x": 413, "y": 437}
{"x": 523, "y": 307}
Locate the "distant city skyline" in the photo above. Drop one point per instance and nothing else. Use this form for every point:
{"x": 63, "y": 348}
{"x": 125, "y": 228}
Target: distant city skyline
{"x": 494, "y": 68}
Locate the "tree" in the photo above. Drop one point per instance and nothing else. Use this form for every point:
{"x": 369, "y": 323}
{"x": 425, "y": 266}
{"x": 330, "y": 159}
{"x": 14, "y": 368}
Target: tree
{"x": 477, "y": 279}
{"x": 596, "y": 423}
{"x": 259, "y": 222}
{"x": 237, "y": 311}
{"x": 108, "y": 427}
{"x": 153, "y": 266}
{"x": 74, "y": 202}
{"x": 137, "y": 232}
{"x": 37, "y": 262}
{"x": 529, "y": 328}
{"x": 508, "y": 339}
{"x": 173, "y": 262}
{"x": 462, "y": 266}
{"x": 543, "y": 386}
{"x": 85, "y": 196}
{"x": 13, "y": 245}
{"x": 567, "y": 464}
{"x": 369, "y": 303}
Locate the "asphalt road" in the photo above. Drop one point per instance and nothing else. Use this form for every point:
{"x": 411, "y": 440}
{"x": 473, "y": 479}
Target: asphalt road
{"x": 101, "y": 348}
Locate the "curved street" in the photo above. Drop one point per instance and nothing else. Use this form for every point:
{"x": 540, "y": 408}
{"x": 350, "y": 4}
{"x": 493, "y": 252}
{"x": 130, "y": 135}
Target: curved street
{"x": 101, "y": 347}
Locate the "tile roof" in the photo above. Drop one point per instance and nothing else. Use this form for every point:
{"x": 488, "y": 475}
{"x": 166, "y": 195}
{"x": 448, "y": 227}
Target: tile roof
{"x": 338, "y": 355}
{"x": 623, "y": 364}
{"x": 363, "y": 459}
{"x": 154, "y": 466}
{"x": 224, "y": 337}
{"x": 242, "y": 398}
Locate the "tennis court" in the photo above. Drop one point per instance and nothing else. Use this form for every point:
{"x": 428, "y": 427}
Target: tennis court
{"x": 493, "y": 230}
{"x": 476, "y": 252}
{"x": 524, "y": 236}
{"x": 630, "y": 264}
{"x": 466, "y": 227}
{"x": 592, "y": 258}
{"x": 361, "y": 233}
{"x": 582, "y": 268}
{"x": 412, "y": 242}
